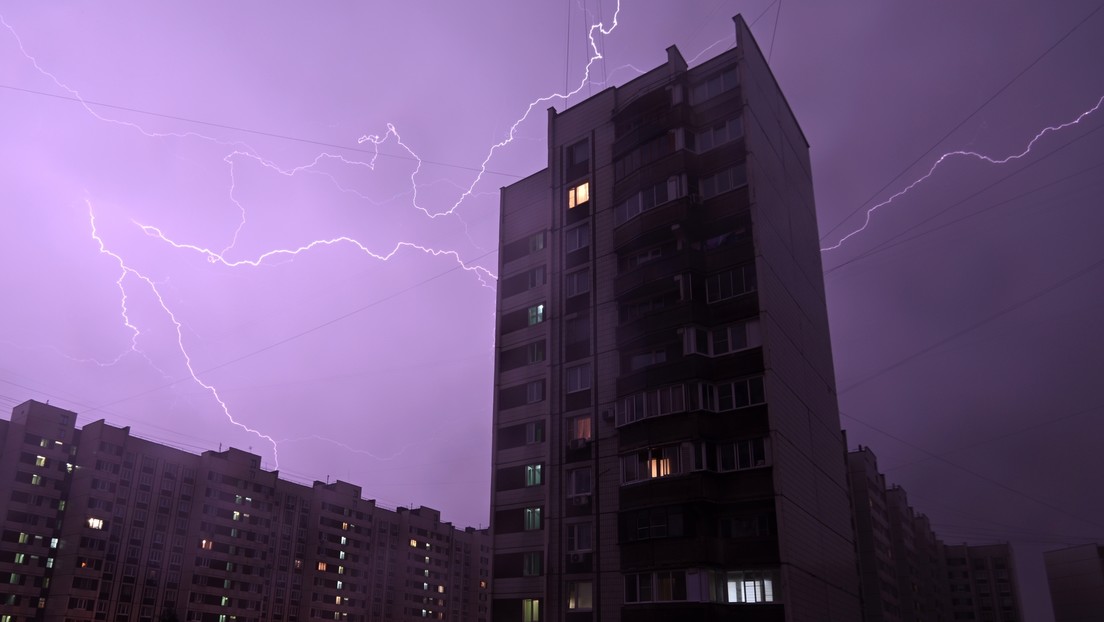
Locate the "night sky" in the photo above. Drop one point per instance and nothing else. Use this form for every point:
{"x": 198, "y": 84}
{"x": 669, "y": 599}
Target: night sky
{"x": 286, "y": 216}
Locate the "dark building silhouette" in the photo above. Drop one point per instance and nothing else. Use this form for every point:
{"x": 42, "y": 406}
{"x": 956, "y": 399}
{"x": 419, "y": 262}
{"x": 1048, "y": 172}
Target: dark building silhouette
{"x": 901, "y": 561}
{"x": 666, "y": 433}
{"x": 100, "y": 525}
{"x": 983, "y": 583}
{"x": 1076, "y": 579}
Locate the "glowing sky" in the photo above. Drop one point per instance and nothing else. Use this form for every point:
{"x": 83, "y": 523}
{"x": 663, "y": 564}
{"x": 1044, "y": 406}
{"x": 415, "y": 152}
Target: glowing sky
{"x": 235, "y": 130}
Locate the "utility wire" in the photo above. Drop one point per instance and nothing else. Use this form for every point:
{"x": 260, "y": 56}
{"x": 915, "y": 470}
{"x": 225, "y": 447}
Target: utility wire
{"x": 975, "y": 325}
{"x": 965, "y": 120}
{"x": 955, "y": 465}
{"x": 236, "y": 128}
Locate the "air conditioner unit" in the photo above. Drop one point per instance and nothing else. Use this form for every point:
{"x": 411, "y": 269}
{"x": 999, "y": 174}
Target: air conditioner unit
{"x": 576, "y": 558}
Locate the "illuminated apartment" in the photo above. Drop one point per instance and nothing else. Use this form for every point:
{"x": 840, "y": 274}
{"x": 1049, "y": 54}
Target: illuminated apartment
{"x": 666, "y": 434}
{"x": 101, "y": 525}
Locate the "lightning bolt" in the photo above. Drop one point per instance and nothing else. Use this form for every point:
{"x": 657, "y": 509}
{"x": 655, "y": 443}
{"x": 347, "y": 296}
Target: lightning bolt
{"x": 967, "y": 154}
{"x": 242, "y": 150}
{"x": 125, "y": 271}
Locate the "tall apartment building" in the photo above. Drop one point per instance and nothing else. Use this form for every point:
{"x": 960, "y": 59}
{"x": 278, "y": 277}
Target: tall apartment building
{"x": 101, "y": 525}
{"x": 983, "y": 583}
{"x": 1076, "y": 579}
{"x": 901, "y": 561}
{"x": 666, "y": 434}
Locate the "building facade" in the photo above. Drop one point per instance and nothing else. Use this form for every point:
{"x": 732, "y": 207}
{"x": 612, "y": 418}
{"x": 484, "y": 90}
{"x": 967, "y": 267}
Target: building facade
{"x": 101, "y": 525}
{"x": 1076, "y": 579}
{"x": 983, "y": 583}
{"x": 666, "y": 433}
{"x": 901, "y": 561}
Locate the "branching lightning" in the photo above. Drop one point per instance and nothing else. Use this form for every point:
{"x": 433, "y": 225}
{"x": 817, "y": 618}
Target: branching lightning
{"x": 130, "y": 276}
{"x": 125, "y": 271}
{"x": 969, "y": 154}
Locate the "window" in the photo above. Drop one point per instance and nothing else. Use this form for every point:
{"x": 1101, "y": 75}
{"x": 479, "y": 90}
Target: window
{"x": 577, "y": 329}
{"x": 532, "y": 518}
{"x": 721, "y": 341}
{"x": 531, "y": 565}
{"x": 530, "y": 610}
{"x": 579, "y": 428}
{"x": 731, "y": 395}
{"x": 578, "y": 378}
{"x": 40, "y": 461}
{"x": 719, "y": 134}
{"x": 580, "y": 537}
{"x": 96, "y": 523}
{"x": 651, "y": 463}
{"x": 714, "y": 86}
{"x": 731, "y": 456}
{"x": 746, "y": 587}
{"x": 535, "y": 277}
{"x": 648, "y": 198}
{"x": 578, "y": 195}
{"x": 730, "y": 284}
{"x": 653, "y": 403}
{"x": 534, "y": 352}
{"x": 534, "y": 432}
{"x": 580, "y": 595}
{"x": 536, "y": 314}
{"x": 534, "y": 392}
{"x": 577, "y": 237}
{"x": 650, "y": 587}
{"x": 640, "y": 258}
{"x": 536, "y": 242}
{"x": 578, "y": 482}
{"x": 646, "y": 359}
{"x": 533, "y": 475}
{"x": 723, "y": 181}
{"x": 652, "y": 523}
{"x": 577, "y": 283}
{"x": 577, "y": 160}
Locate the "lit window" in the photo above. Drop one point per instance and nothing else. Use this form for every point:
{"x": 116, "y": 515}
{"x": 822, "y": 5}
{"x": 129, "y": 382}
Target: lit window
{"x": 40, "y": 461}
{"x": 530, "y": 610}
{"x": 579, "y": 428}
{"x": 580, "y": 595}
{"x": 650, "y": 463}
{"x": 322, "y": 566}
{"x": 413, "y": 542}
{"x": 36, "y": 480}
{"x": 748, "y": 587}
{"x": 206, "y": 544}
{"x": 95, "y": 523}
{"x": 536, "y": 314}
{"x": 532, "y": 519}
{"x": 533, "y": 475}
{"x": 578, "y": 195}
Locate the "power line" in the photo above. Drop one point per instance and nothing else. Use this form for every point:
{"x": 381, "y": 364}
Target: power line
{"x": 236, "y": 128}
{"x": 894, "y": 241}
{"x": 965, "y": 120}
{"x": 972, "y": 472}
{"x": 774, "y": 34}
{"x": 296, "y": 335}
{"x": 975, "y": 325}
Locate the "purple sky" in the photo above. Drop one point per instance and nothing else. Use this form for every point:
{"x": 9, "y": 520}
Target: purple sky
{"x": 968, "y": 358}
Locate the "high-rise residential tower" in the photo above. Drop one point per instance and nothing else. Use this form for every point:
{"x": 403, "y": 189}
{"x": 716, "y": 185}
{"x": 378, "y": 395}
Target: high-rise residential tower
{"x": 666, "y": 433}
